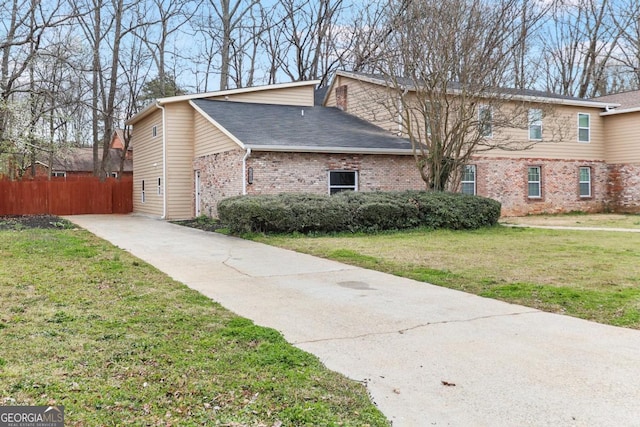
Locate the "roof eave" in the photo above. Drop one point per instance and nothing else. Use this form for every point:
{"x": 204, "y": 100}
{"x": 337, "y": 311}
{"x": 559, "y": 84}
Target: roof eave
{"x": 621, "y": 111}
{"x": 528, "y": 98}
{"x": 329, "y": 150}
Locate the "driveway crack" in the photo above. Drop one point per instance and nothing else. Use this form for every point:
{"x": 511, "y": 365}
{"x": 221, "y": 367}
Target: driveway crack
{"x": 412, "y": 328}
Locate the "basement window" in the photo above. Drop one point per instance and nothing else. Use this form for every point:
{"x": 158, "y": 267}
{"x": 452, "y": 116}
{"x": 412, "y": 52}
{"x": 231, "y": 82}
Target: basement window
{"x": 343, "y": 181}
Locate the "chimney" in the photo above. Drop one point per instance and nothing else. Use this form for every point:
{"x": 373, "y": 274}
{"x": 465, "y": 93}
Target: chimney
{"x": 341, "y": 97}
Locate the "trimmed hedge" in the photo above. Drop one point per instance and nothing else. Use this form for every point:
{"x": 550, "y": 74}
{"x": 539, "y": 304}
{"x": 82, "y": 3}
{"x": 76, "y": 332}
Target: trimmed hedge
{"x": 356, "y": 211}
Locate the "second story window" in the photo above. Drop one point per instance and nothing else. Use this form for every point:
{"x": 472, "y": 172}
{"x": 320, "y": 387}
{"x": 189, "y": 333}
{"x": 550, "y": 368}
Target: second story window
{"x": 584, "y": 127}
{"x": 535, "y": 124}
{"x": 154, "y": 131}
{"x": 485, "y": 121}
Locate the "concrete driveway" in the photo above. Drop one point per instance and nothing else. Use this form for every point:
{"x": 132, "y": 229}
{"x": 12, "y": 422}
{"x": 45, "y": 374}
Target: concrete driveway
{"x": 429, "y": 355}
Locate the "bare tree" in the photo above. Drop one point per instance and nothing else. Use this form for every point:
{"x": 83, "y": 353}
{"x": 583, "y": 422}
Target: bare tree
{"x": 163, "y": 18}
{"x": 625, "y": 65}
{"x": 24, "y": 25}
{"x": 230, "y": 16}
{"x": 578, "y": 47}
{"x": 444, "y": 66}
{"x": 310, "y": 29}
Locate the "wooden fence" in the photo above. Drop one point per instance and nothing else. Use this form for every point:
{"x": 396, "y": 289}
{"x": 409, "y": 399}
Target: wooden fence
{"x": 63, "y": 196}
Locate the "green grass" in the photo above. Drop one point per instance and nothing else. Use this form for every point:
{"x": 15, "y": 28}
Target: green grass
{"x": 86, "y": 325}
{"x": 594, "y": 275}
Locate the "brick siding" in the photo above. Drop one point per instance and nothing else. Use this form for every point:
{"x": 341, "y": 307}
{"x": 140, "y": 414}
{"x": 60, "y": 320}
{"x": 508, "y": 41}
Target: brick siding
{"x": 506, "y": 180}
{"x": 624, "y": 188}
{"x": 220, "y": 177}
{"x": 275, "y": 173}
{"x": 502, "y": 179}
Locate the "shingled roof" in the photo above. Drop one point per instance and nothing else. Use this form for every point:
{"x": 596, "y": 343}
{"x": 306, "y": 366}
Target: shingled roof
{"x": 629, "y": 101}
{"x": 511, "y": 93}
{"x": 267, "y": 127}
{"x": 81, "y": 160}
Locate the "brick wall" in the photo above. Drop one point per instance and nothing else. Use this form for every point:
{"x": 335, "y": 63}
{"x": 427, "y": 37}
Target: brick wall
{"x": 220, "y": 177}
{"x": 502, "y": 179}
{"x": 308, "y": 172}
{"x": 624, "y": 188}
{"x": 506, "y": 180}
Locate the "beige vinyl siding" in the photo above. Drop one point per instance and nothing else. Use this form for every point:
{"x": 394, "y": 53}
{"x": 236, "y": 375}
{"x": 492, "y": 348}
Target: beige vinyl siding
{"x": 209, "y": 139}
{"x": 623, "y": 138}
{"x": 367, "y": 101}
{"x": 559, "y": 136}
{"x": 147, "y": 164}
{"x": 302, "y": 96}
{"x": 179, "y": 180}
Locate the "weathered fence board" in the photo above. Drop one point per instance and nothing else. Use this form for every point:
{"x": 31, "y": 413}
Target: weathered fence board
{"x": 60, "y": 196}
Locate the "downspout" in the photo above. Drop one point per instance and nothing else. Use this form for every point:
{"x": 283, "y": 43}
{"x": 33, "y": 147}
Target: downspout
{"x": 244, "y": 171}
{"x": 164, "y": 161}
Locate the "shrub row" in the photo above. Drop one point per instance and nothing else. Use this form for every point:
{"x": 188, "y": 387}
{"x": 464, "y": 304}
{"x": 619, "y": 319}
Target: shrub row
{"x": 355, "y": 211}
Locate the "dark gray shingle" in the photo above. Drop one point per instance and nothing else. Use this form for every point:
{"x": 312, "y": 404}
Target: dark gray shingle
{"x": 311, "y": 128}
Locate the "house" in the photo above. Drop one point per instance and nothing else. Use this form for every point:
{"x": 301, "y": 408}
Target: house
{"x": 194, "y": 150}
{"x": 118, "y": 142}
{"x": 77, "y": 162}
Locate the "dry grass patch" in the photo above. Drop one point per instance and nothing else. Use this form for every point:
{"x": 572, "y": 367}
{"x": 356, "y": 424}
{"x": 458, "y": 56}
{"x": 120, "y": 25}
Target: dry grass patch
{"x": 629, "y": 221}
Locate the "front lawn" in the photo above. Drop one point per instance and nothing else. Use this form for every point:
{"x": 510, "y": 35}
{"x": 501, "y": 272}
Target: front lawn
{"x": 88, "y": 326}
{"x": 594, "y": 275}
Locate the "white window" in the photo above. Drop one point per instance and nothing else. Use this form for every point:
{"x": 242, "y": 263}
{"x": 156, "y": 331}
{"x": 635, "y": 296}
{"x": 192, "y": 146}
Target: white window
{"x": 154, "y": 131}
{"x": 342, "y": 181}
{"x": 585, "y": 182}
{"x": 142, "y": 195}
{"x": 159, "y": 186}
{"x": 584, "y": 127}
{"x": 535, "y": 124}
{"x": 468, "y": 182}
{"x": 59, "y": 174}
{"x": 534, "y": 182}
{"x": 485, "y": 121}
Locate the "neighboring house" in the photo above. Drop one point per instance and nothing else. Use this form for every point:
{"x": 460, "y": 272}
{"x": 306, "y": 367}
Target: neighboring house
{"x": 78, "y": 162}
{"x": 195, "y": 150}
{"x": 118, "y": 141}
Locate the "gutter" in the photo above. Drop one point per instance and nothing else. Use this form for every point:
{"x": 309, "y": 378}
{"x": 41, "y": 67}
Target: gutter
{"x": 244, "y": 171}
{"x": 164, "y": 161}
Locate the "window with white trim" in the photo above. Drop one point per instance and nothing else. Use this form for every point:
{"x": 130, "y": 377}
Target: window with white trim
{"x": 59, "y": 174}
{"x": 485, "y": 121}
{"x": 142, "y": 195}
{"x": 159, "y": 186}
{"x": 584, "y": 127}
{"x": 535, "y": 124}
{"x": 468, "y": 181}
{"x": 534, "y": 182}
{"x": 342, "y": 181}
{"x": 585, "y": 181}
{"x": 154, "y": 131}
